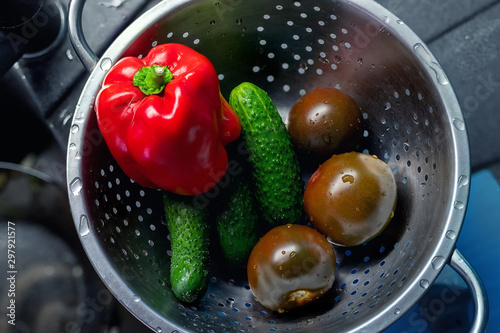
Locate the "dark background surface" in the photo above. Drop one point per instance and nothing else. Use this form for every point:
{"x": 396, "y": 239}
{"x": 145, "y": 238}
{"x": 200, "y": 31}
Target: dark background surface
{"x": 464, "y": 35}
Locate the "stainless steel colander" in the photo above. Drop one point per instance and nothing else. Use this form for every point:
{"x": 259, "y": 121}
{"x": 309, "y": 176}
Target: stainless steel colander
{"x": 287, "y": 48}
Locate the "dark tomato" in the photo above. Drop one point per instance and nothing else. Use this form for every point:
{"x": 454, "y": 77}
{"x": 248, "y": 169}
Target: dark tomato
{"x": 351, "y": 198}
{"x": 291, "y": 265}
{"x": 325, "y": 121}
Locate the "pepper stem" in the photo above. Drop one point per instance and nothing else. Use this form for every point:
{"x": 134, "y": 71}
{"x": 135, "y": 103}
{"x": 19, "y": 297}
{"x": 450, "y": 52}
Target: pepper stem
{"x": 152, "y": 79}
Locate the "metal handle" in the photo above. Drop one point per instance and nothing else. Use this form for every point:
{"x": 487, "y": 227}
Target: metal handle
{"x": 88, "y": 58}
{"x": 471, "y": 278}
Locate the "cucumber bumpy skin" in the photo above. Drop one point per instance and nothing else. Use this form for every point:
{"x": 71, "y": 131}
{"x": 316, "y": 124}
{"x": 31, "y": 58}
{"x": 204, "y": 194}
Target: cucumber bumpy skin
{"x": 237, "y": 221}
{"x": 189, "y": 237}
{"x": 275, "y": 167}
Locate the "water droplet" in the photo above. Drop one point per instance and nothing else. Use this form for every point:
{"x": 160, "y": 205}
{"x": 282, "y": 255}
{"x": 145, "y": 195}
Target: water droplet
{"x": 424, "y": 283}
{"x": 360, "y": 61}
{"x": 397, "y": 311}
{"x": 399, "y": 22}
{"x": 425, "y": 56}
{"x": 69, "y": 55}
{"x": 158, "y": 329}
{"x": 438, "y": 262}
{"x": 386, "y": 19}
{"x": 105, "y": 64}
{"x": 136, "y": 298}
{"x": 348, "y": 178}
{"x": 459, "y": 205}
{"x": 459, "y": 124}
{"x": 450, "y": 234}
{"x": 74, "y": 129}
{"x": 293, "y": 254}
{"x": 83, "y": 227}
{"x": 76, "y": 152}
{"x": 326, "y": 137}
{"x": 463, "y": 181}
{"x": 323, "y": 60}
{"x": 76, "y": 186}
{"x": 337, "y": 59}
{"x": 112, "y": 3}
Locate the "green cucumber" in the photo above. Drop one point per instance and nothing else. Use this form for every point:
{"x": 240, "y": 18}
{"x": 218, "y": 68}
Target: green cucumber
{"x": 189, "y": 237}
{"x": 275, "y": 168}
{"x": 237, "y": 219}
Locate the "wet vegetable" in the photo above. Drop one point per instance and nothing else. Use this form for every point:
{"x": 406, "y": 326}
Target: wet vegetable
{"x": 325, "y": 121}
{"x": 275, "y": 169}
{"x": 237, "y": 220}
{"x": 164, "y": 120}
{"x": 351, "y": 198}
{"x": 291, "y": 265}
{"x": 189, "y": 237}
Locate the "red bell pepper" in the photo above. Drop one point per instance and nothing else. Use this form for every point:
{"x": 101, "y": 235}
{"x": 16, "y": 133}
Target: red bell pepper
{"x": 165, "y": 121}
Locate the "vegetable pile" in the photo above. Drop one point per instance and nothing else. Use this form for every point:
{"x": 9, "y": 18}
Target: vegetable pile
{"x": 168, "y": 126}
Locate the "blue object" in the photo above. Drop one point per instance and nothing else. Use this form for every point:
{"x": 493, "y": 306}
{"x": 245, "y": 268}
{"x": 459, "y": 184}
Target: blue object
{"x": 447, "y": 306}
